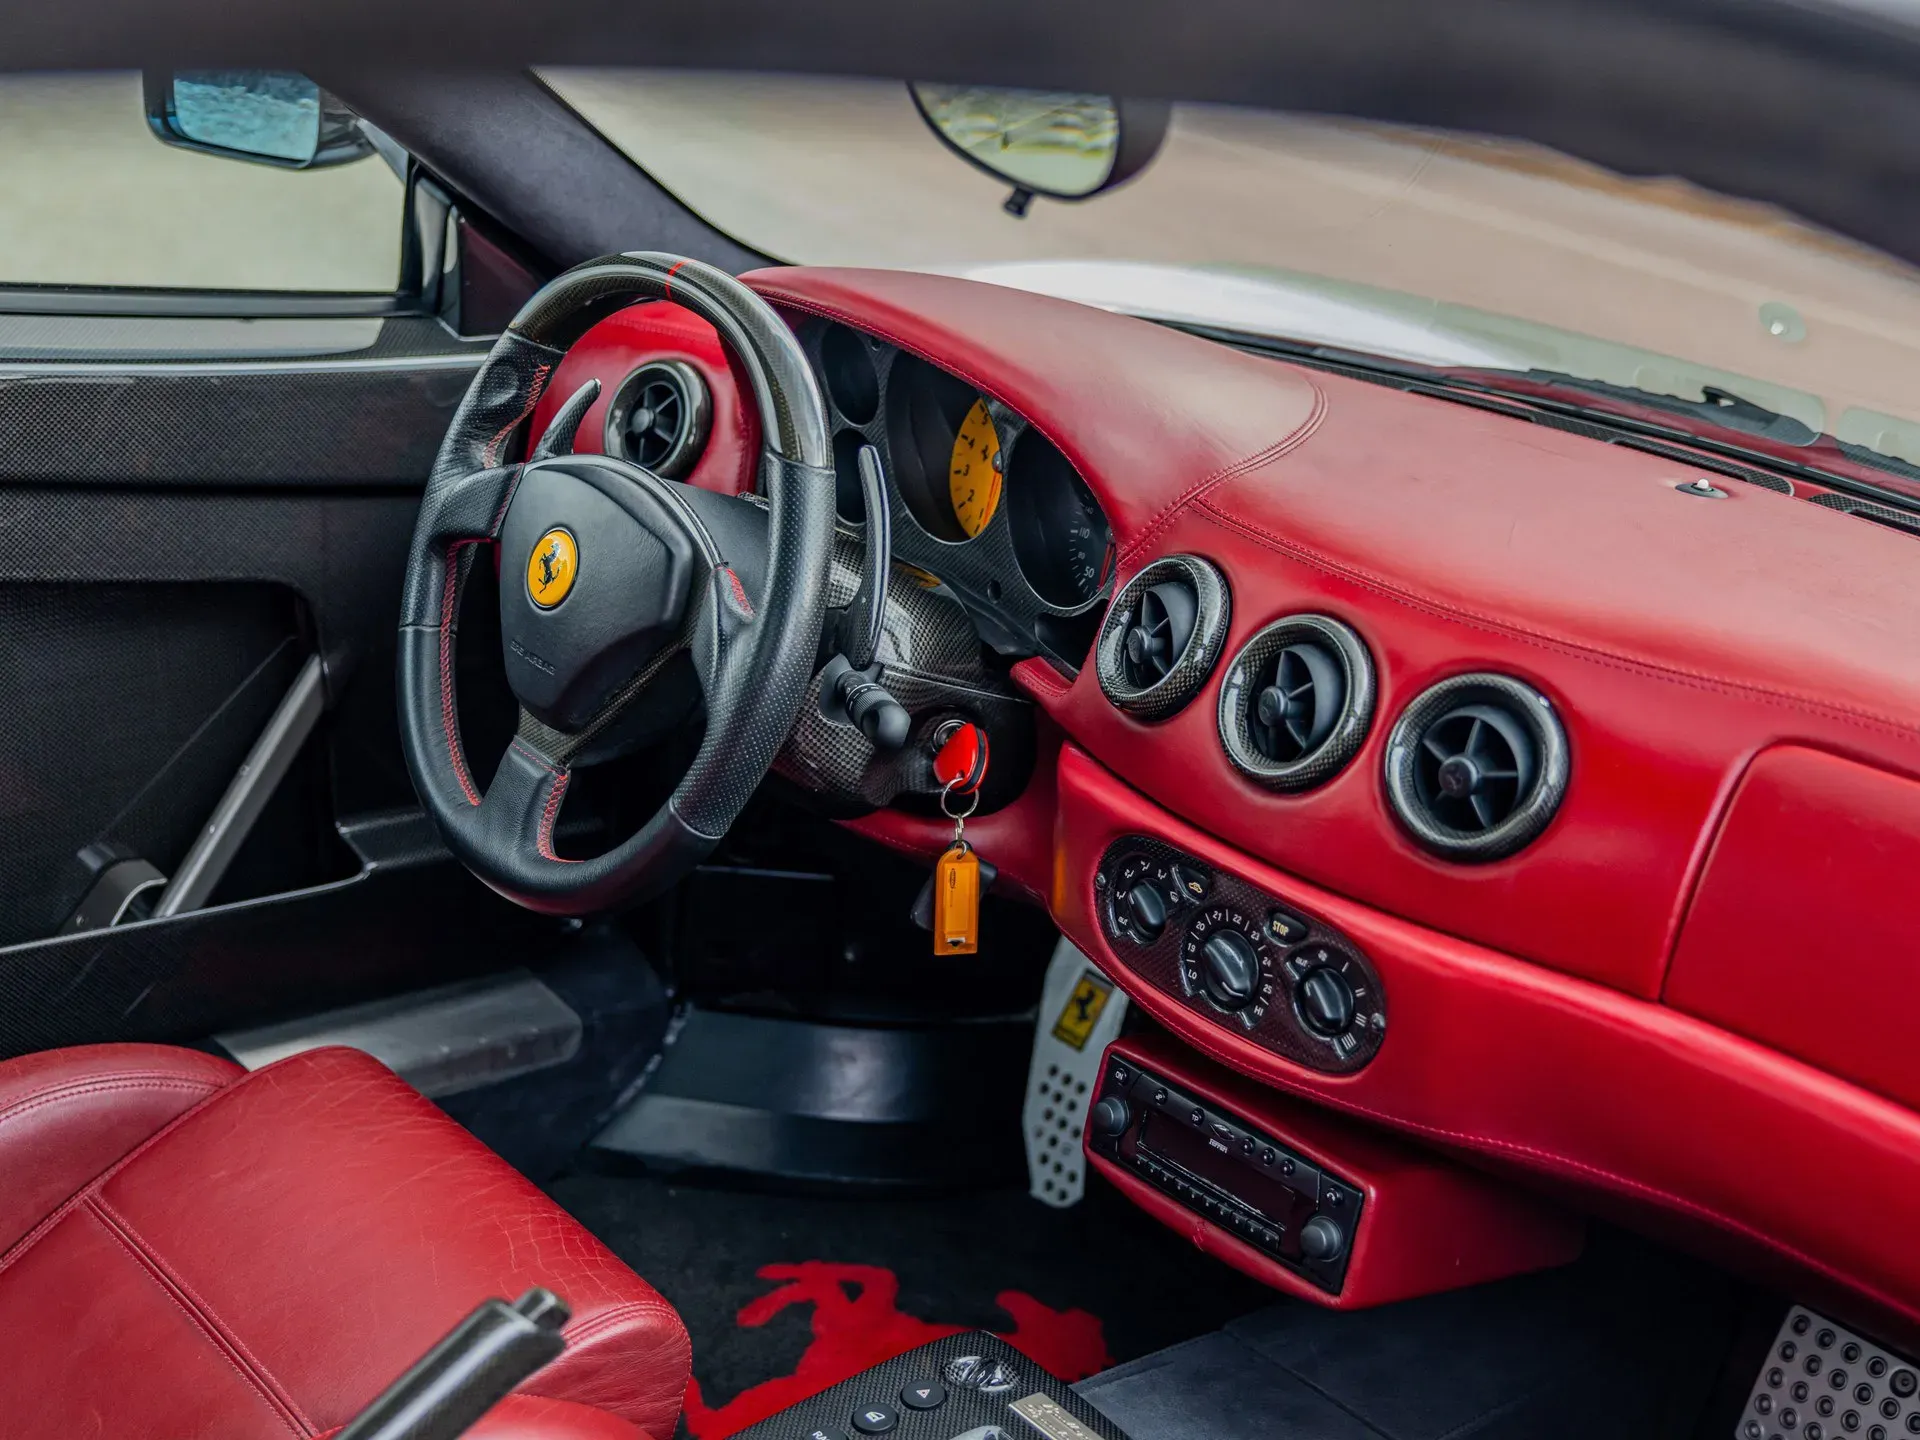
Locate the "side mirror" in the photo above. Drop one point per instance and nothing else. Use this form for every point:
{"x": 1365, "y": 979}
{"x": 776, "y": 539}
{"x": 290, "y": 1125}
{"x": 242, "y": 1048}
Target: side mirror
{"x": 1044, "y": 142}
{"x": 272, "y": 117}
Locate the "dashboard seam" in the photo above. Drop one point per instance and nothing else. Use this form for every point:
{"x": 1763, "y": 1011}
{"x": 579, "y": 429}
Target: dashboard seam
{"x": 1573, "y": 648}
{"x": 820, "y": 309}
{"x": 1260, "y": 458}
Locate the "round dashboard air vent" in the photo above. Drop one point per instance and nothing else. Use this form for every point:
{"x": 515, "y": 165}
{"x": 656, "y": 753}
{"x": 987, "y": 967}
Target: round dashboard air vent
{"x": 1297, "y": 702}
{"x": 658, "y": 418}
{"x": 1162, "y": 634}
{"x": 1476, "y": 767}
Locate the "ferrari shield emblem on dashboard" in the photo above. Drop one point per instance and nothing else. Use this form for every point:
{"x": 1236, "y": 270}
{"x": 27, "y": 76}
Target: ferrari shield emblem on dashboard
{"x": 551, "y": 568}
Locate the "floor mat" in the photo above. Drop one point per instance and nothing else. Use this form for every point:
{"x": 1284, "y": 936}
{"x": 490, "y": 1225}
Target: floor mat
{"x": 785, "y": 1295}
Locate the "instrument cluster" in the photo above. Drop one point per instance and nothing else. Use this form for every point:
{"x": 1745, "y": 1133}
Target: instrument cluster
{"x": 983, "y": 504}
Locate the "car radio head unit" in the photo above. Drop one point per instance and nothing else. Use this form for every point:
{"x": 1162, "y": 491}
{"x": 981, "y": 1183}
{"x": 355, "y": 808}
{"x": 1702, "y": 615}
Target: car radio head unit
{"x": 1217, "y": 1164}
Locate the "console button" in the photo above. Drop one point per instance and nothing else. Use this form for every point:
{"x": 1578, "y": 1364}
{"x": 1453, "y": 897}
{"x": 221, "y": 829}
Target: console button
{"x": 1285, "y": 928}
{"x": 925, "y": 1395}
{"x": 826, "y": 1435}
{"x": 875, "y": 1419}
{"x": 1192, "y": 882}
{"x": 1111, "y": 1116}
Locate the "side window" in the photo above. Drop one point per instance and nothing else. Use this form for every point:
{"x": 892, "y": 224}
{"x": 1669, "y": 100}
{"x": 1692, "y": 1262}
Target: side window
{"x": 92, "y": 196}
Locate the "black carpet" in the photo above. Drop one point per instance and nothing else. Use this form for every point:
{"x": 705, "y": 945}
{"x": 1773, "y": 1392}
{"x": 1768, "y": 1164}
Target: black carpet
{"x": 1138, "y": 1286}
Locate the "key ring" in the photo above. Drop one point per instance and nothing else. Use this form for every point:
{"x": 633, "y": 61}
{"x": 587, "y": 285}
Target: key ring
{"x": 946, "y": 792}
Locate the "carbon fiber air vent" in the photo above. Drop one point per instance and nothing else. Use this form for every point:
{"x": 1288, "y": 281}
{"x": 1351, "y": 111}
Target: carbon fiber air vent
{"x": 1476, "y": 767}
{"x": 659, "y": 418}
{"x": 1297, "y": 702}
{"x": 1161, "y": 636}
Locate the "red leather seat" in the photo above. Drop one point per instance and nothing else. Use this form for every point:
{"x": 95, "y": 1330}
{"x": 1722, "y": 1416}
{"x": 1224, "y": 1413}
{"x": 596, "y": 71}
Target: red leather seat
{"x": 188, "y": 1250}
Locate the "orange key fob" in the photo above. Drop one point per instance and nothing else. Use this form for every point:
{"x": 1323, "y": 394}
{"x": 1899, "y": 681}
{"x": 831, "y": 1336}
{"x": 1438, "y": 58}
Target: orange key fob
{"x": 956, "y": 902}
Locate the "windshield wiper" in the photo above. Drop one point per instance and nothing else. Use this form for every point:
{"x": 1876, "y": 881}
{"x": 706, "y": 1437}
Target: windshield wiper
{"x": 1719, "y": 407}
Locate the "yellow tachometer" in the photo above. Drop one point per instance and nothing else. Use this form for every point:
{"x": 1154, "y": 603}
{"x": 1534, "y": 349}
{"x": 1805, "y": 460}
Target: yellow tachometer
{"x": 973, "y": 472}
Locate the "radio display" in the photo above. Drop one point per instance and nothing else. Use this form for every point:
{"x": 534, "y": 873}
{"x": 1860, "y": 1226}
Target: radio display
{"x": 1191, "y": 1151}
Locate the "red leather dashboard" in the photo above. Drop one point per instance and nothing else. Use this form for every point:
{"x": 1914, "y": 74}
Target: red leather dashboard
{"x": 1682, "y": 641}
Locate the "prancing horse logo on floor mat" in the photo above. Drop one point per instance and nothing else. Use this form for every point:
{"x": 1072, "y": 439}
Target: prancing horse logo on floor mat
{"x": 857, "y": 1323}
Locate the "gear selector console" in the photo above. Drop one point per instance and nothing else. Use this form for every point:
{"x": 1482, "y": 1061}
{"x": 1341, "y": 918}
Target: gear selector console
{"x": 1244, "y": 959}
{"x": 971, "y": 1386}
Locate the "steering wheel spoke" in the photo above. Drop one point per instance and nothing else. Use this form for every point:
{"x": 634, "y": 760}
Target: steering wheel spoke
{"x": 522, "y": 804}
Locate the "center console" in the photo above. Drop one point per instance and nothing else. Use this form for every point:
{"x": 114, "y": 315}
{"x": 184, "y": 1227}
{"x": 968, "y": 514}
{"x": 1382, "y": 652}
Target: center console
{"x": 1255, "y": 963}
{"x": 972, "y": 1386}
{"x": 1319, "y": 1205}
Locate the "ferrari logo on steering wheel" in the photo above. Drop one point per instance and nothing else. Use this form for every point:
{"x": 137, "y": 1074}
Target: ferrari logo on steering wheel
{"x": 551, "y": 568}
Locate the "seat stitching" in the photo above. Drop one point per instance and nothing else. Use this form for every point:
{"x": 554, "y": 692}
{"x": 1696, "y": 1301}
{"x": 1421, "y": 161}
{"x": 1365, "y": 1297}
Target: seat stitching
{"x": 615, "y": 1315}
{"x": 76, "y": 1089}
{"x": 32, "y": 1237}
{"x": 228, "y": 1348}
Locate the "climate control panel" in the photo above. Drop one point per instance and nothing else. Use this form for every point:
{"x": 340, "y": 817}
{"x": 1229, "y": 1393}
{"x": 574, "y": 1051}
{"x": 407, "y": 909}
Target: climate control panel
{"x": 1244, "y": 959}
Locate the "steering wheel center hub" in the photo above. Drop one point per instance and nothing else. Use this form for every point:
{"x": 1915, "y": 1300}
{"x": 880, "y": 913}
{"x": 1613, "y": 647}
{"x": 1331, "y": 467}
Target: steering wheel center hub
{"x": 596, "y": 575}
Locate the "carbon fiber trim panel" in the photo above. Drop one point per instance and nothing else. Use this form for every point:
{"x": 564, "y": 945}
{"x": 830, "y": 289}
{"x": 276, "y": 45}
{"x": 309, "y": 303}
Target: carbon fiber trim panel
{"x": 1867, "y": 510}
{"x": 175, "y": 681}
{"x": 988, "y": 1391}
{"x": 1236, "y": 693}
{"x": 1189, "y": 671}
{"x": 1287, "y": 943}
{"x": 369, "y": 417}
{"x": 930, "y": 661}
{"x": 1535, "y": 808}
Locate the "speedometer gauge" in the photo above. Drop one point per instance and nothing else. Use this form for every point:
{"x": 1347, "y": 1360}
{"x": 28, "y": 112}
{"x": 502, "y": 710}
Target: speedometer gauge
{"x": 974, "y": 470}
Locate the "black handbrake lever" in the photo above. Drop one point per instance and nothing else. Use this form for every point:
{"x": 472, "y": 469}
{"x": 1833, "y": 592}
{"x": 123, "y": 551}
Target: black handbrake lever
{"x": 445, "y": 1392}
{"x": 881, "y": 718}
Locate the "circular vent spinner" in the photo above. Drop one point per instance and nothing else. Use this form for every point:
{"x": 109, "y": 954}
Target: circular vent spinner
{"x": 1162, "y": 625}
{"x": 1297, "y": 702}
{"x": 1476, "y": 767}
{"x": 659, "y": 417}
{"x": 1161, "y": 636}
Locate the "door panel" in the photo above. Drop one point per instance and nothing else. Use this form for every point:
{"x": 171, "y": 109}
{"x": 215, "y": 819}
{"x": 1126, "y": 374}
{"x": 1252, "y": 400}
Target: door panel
{"x": 177, "y": 536}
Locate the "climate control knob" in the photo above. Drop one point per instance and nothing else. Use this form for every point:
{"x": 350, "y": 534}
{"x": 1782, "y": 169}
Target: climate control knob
{"x": 1147, "y": 908}
{"x": 1232, "y": 969}
{"x": 1326, "y": 1001}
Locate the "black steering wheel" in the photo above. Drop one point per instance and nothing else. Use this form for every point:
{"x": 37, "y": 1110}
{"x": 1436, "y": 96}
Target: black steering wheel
{"x": 607, "y": 572}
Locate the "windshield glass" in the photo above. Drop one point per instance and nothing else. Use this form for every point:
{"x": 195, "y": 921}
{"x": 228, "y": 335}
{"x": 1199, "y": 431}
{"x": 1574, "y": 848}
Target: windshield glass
{"x": 1440, "y": 249}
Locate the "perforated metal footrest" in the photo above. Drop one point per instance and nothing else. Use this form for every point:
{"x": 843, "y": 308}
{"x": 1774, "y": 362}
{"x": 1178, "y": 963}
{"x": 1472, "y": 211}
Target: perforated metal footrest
{"x": 1823, "y": 1382}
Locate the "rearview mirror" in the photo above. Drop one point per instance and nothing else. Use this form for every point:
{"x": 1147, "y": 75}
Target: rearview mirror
{"x": 1044, "y": 142}
{"x": 272, "y": 117}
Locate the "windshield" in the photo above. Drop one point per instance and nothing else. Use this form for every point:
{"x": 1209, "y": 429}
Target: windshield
{"x": 1439, "y": 249}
